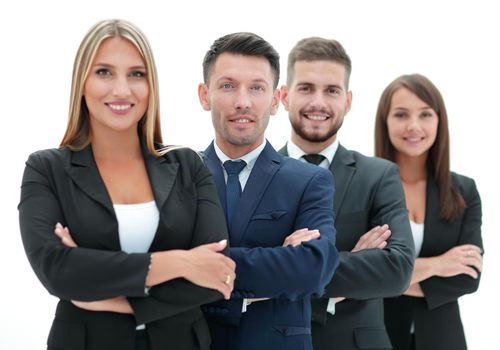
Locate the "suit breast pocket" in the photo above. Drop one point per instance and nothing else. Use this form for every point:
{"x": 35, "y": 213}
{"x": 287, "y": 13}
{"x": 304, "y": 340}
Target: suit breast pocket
{"x": 272, "y": 215}
{"x": 268, "y": 229}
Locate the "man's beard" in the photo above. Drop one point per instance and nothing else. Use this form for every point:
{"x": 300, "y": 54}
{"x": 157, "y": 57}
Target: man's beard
{"x": 315, "y": 136}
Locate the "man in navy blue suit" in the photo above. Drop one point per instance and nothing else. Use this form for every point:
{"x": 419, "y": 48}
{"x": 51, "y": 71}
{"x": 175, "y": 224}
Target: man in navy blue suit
{"x": 281, "y": 224}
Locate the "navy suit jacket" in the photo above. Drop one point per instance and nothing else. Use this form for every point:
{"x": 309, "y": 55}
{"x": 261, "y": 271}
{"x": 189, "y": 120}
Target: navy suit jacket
{"x": 281, "y": 196}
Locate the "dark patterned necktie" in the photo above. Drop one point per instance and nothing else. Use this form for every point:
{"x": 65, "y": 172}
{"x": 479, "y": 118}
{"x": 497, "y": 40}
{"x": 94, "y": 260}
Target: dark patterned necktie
{"x": 314, "y": 158}
{"x": 233, "y": 187}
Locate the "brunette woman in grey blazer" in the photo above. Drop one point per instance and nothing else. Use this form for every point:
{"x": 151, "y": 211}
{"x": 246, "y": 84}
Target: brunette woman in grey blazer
{"x": 445, "y": 214}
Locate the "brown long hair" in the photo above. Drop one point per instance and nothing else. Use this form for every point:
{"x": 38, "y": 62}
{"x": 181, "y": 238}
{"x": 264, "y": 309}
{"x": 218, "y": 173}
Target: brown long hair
{"x": 438, "y": 160}
{"x": 77, "y": 132}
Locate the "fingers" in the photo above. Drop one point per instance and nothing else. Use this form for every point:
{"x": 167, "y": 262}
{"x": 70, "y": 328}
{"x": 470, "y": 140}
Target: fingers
{"x": 470, "y": 247}
{"x": 227, "y": 285}
{"x": 300, "y": 236}
{"x": 64, "y": 236}
{"x": 473, "y": 258}
{"x": 470, "y": 271}
{"x": 215, "y": 247}
{"x": 375, "y": 238}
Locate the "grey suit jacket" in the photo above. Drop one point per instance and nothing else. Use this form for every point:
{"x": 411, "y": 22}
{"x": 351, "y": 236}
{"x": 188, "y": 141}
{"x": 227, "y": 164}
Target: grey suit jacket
{"x": 368, "y": 193}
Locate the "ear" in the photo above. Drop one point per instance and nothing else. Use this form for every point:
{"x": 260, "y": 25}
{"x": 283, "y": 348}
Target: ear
{"x": 276, "y": 102}
{"x": 284, "y": 96}
{"x": 348, "y": 101}
{"x": 203, "y": 96}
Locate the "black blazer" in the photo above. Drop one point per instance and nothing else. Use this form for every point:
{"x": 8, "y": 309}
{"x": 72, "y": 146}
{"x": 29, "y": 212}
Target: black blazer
{"x": 368, "y": 193}
{"x": 64, "y": 186}
{"x": 436, "y": 316}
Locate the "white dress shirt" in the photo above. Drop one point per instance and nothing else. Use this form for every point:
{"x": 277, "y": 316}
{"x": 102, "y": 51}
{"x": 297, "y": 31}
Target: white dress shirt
{"x": 296, "y": 152}
{"x": 249, "y": 158}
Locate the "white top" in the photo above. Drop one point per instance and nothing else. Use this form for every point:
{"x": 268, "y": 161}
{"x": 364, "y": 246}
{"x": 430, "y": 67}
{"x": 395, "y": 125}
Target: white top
{"x": 417, "y": 231}
{"x": 137, "y": 225}
{"x": 249, "y": 158}
{"x": 296, "y": 152}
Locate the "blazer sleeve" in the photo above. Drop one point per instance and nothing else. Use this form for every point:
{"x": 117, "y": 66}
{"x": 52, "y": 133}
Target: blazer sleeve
{"x": 70, "y": 273}
{"x": 293, "y": 272}
{"x": 380, "y": 272}
{"x": 440, "y": 290}
{"x": 179, "y": 295}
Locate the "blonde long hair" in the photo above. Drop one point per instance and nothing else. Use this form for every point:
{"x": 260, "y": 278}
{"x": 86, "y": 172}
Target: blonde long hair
{"x": 77, "y": 135}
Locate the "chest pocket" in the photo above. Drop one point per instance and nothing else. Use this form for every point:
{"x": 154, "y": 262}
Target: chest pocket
{"x": 273, "y": 215}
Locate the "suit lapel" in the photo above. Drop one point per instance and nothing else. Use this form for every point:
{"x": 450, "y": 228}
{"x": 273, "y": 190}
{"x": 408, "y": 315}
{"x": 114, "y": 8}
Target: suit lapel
{"x": 265, "y": 168}
{"x": 213, "y": 164}
{"x": 343, "y": 169}
{"x": 162, "y": 175}
{"x": 431, "y": 220}
{"x": 83, "y": 171}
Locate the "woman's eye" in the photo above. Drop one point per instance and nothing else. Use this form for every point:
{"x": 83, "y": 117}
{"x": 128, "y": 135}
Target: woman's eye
{"x": 138, "y": 74}
{"x": 103, "y": 72}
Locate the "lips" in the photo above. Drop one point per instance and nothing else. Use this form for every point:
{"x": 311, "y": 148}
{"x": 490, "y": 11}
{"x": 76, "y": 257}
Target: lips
{"x": 120, "y": 107}
{"x": 413, "y": 139}
{"x": 316, "y": 115}
{"x": 241, "y": 119}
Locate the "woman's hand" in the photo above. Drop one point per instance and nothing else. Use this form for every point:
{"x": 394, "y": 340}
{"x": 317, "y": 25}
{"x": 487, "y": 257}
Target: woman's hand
{"x": 116, "y": 304}
{"x": 64, "y": 236}
{"x": 209, "y": 268}
{"x": 462, "y": 259}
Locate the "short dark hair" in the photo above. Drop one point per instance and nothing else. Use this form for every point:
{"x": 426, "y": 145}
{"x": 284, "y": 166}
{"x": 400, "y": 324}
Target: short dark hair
{"x": 318, "y": 49}
{"x": 244, "y": 43}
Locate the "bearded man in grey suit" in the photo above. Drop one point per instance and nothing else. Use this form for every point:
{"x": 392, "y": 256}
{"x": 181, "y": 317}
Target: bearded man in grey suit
{"x": 373, "y": 231}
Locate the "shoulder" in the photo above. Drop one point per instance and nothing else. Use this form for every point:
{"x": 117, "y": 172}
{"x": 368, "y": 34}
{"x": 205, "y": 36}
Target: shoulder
{"x": 187, "y": 159}
{"x": 179, "y": 153}
{"x": 373, "y": 165}
{"x": 51, "y": 156}
{"x": 465, "y": 185}
{"x": 301, "y": 171}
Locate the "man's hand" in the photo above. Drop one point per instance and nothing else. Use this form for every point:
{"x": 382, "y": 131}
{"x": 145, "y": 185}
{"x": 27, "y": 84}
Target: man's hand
{"x": 300, "y": 236}
{"x": 375, "y": 238}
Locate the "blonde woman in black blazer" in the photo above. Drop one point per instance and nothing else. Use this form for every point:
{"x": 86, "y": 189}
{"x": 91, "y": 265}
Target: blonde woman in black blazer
{"x": 412, "y": 130}
{"x": 111, "y": 155}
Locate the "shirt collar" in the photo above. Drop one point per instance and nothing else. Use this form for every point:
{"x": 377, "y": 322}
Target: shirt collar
{"x": 249, "y": 158}
{"x": 296, "y": 152}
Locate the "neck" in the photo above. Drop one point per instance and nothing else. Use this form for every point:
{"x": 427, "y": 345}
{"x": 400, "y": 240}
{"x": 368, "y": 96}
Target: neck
{"x": 412, "y": 169}
{"x": 309, "y": 146}
{"x": 116, "y": 146}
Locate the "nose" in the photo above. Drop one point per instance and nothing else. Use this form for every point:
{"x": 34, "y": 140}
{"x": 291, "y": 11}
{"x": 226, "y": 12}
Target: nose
{"x": 413, "y": 123}
{"x": 121, "y": 87}
{"x": 242, "y": 99}
{"x": 318, "y": 101}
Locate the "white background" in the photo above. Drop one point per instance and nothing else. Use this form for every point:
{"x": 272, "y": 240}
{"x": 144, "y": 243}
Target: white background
{"x": 455, "y": 44}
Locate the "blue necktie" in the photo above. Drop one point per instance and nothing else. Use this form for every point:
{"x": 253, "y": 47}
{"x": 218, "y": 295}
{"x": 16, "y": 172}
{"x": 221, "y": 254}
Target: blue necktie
{"x": 233, "y": 187}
